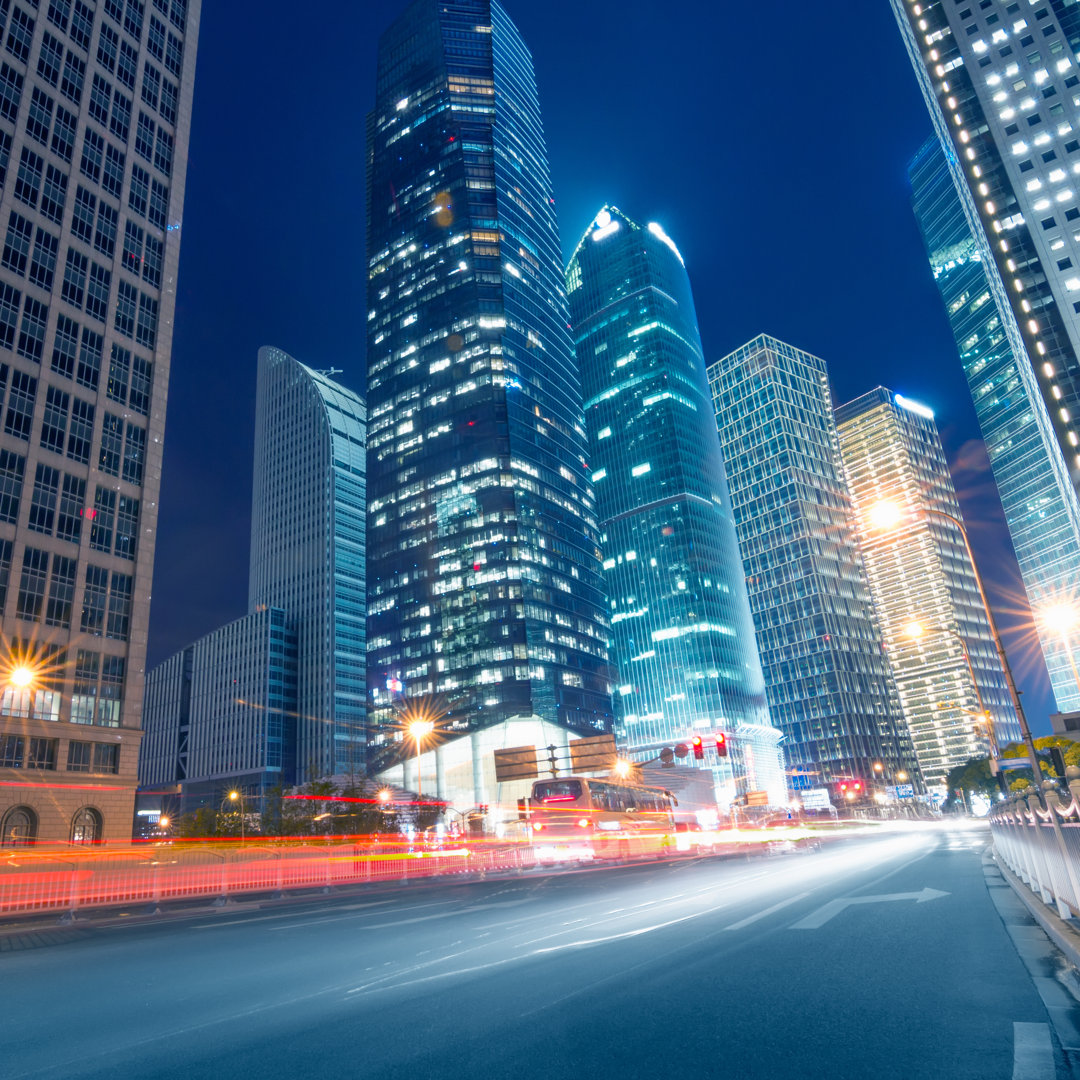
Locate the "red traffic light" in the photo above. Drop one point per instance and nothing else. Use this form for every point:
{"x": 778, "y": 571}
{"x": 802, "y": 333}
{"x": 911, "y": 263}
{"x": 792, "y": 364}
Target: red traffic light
{"x": 699, "y": 750}
{"x": 721, "y": 744}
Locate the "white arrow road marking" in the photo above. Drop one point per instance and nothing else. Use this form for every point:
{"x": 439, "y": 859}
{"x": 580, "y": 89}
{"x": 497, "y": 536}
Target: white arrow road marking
{"x": 819, "y": 918}
{"x": 768, "y": 911}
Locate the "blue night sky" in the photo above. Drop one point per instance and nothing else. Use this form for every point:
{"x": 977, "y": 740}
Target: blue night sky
{"x": 773, "y": 150}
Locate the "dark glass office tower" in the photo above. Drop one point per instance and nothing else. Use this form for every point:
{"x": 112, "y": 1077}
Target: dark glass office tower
{"x": 483, "y": 560}
{"x": 682, "y": 637}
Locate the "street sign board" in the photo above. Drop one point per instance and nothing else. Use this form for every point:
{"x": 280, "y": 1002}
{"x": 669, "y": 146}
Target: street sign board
{"x": 815, "y": 799}
{"x": 905, "y": 791}
{"x": 757, "y": 798}
{"x": 515, "y": 763}
{"x": 592, "y": 754}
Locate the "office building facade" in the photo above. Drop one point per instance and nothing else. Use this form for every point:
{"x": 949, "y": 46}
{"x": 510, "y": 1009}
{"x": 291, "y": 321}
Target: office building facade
{"x": 276, "y": 698}
{"x": 484, "y": 578}
{"x": 1002, "y": 84}
{"x": 95, "y": 113}
{"x": 682, "y": 637}
{"x": 827, "y": 677}
{"x": 940, "y": 648}
{"x": 308, "y": 505}
{"x": 221, "y": 714}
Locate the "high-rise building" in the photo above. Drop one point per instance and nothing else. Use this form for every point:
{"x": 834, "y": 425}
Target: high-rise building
{"x": 95, "y": 112}
{"x": 277, "y": 697}
{"x": 940, "y": 647}
{"x": 484, "y": 583}
{"x": 1041, "y": 508}
{"x": 827, "y": 676}
{"x": 1003, "y": 89}
{"x": 221, "y": 714}
{"x": 308, "y": 505}
{"x": 682, "y": 637}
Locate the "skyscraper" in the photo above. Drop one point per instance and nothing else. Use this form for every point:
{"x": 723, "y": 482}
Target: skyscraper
{"x": 95, "y": 111}
{"x": 277, "y": 697}
{"x": 484, "y": 579}
{"x": 1003, "y": 88}
{"x": 221, "y": 714}
{"x": 682, "y": 638}
{"x": 308, "y": 550}
{"x": 939, "y": 644}
{"x": 826, "y": 674}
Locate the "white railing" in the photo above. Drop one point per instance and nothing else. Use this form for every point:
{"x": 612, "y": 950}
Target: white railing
{"x": 41, "y": 880}
{"x": 1037, "y": 836}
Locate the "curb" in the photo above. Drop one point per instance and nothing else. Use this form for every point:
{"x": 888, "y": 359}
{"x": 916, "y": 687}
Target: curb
{"x": 1065, "y": 936}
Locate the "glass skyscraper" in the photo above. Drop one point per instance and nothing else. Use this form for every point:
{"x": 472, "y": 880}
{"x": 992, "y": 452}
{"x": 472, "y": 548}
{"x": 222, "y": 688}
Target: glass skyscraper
{"x": 827, "y": 677}
{"x": 940, "y": 649}
{"x": 682, "y": 637}
{"x": 484, "y": 578}
{"x": 1040, "y": 504}
{"x": 308, "y": 549}
{"x": 1002, "y": 84}
{"x": 95, "y": 112}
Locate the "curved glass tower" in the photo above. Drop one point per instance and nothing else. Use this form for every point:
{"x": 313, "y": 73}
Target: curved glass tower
{"x": 682, "y": 636}
{"x": 307, "y": 551}
{"x": 484, "y": 569}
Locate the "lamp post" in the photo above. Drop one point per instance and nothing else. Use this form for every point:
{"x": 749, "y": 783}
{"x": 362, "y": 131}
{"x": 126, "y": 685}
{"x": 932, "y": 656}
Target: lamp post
{"x": 886, "y": 516}
{"x": 234, "y": 795}
{"x": 915, "y": 630}
{"x": 419, "y": 730}
{"x": 1061, "y": 618}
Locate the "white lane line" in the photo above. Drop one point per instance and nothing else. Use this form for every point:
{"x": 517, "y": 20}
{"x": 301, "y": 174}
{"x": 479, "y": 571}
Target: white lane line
{"x": 768, "y": 911}
{"x": 409, "y": 922}
{"x": 281, "y": 915}
{"x": 1033, "y": 1053}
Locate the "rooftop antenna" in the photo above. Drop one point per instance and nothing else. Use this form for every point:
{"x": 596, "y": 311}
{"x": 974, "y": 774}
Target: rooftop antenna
{"x": 330, "y": 371}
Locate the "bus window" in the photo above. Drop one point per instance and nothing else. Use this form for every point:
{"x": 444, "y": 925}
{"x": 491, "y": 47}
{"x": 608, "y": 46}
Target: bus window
{"x": 557, "y": 790}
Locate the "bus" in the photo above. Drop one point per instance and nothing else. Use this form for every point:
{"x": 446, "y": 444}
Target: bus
{"x": 579, "y": 819}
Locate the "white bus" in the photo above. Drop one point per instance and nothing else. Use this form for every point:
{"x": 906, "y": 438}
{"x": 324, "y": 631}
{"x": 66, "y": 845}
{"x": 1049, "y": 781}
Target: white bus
{"x": 577, "y": 818}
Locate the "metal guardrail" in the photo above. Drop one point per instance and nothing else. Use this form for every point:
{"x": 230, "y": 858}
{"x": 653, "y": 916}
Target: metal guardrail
{"x": 33, "y": 880}
{"x": 1037, "y": 836}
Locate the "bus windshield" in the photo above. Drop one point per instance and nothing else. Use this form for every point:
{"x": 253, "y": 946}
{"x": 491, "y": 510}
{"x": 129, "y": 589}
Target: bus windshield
{"x": 557, "y": 790}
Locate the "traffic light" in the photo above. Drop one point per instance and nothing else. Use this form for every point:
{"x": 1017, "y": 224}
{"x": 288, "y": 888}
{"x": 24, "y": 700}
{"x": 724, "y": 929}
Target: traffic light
{"x": 699, "y": 750}
{"x": 721, "y": 744}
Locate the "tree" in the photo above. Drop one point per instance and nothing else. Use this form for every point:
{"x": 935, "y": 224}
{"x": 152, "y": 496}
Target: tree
{"x": 972, "y": 776}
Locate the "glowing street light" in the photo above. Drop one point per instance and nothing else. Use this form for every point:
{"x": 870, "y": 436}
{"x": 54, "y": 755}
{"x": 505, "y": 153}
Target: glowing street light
{"x": 886, "y": 515}
{"x": 622, "y": 768}
{"x": 420, "y": 730}
{"x": 235, "y": 795}
{"x": 21, "y": 676}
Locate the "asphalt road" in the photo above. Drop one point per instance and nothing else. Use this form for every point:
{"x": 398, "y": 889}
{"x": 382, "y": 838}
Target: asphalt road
{"x": 780, "y": 967}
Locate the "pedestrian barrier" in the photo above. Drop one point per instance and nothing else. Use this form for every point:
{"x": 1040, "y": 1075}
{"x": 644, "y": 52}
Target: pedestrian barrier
{"x": 41, "y": 880}
{"x": 1037, "y": 836}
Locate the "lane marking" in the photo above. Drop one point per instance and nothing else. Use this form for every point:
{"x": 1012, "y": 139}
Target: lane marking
{"x": 282, "y": 915}
{"x": 1033, "y": 1052}
{"x": 817, "y": 919}
{"x": 409, "y": 922}
{"x": 768, "y": 911}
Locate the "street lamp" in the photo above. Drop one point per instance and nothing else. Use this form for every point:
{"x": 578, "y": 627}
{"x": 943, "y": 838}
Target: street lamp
{"x": 1061, "y": 619}
{"x": 885, "y": 516}
{"x": 915, "y": 630}
{"x": 419, "y": 730}
{"x": 233, "y": 796}
{"x": 622, "y": 768}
